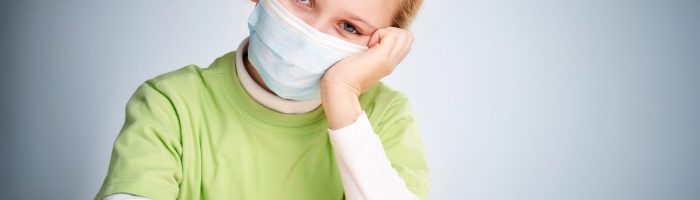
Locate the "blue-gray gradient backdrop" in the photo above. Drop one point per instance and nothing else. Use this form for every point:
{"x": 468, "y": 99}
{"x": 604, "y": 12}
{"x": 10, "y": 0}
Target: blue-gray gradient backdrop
{"x": 539, "y": 99}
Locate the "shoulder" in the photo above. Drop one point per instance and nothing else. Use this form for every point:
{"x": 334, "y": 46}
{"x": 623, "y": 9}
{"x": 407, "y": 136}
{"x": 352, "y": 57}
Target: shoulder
{"x": 179, "y": 80}
{"x": 382, "y": 95}
{"x": 190, "y": 80}
{"x": 384, "y": 105}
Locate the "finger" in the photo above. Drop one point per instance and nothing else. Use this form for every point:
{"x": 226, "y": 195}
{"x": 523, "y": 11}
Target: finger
{"x": 404, "y": 53}
{"x": 374, "y": 39}
{"x": 405, "y": 49}
{"x": 383, "y": 38}
{"x": 404, "y": 40}
{"x": 409, "y": 45}
{"x": 401, "y": 42}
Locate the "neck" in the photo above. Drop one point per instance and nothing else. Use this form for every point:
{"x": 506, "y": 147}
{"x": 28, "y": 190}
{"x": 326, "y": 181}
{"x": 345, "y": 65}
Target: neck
{"x": 254, "y": 73}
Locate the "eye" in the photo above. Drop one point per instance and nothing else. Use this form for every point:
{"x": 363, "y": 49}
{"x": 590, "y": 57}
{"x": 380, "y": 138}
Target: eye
{"x": 348, "y": 27}
{"x": 305, "y": 2}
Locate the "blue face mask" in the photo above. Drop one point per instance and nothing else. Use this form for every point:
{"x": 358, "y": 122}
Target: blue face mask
{"x": 290, "y": 55}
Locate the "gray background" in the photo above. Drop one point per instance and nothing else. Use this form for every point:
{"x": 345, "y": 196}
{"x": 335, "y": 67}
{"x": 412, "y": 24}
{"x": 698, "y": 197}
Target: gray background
{"x": 578, "y": 99}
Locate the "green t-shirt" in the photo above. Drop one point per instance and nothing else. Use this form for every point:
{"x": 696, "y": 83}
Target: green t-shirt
{"x": 195, "y": 133}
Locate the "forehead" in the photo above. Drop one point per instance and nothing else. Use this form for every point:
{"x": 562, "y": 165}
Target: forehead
{"x": 379, "y": 13}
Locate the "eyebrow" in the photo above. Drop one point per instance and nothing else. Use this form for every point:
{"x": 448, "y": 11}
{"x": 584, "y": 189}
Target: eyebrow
{"x": 355, "y": 17}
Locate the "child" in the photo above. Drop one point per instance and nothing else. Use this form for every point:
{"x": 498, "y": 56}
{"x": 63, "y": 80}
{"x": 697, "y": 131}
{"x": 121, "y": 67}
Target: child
{"x": 297, "y": 112}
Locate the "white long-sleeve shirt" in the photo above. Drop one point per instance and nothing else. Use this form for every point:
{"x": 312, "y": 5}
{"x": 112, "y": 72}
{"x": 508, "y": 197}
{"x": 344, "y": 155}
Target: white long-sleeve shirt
{"x": 365, "y": 170}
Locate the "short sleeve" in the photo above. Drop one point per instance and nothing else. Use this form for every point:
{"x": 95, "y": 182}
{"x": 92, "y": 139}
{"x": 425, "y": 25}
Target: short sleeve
{"x": 146, "y": 154}
{"x": 402, "y": 141}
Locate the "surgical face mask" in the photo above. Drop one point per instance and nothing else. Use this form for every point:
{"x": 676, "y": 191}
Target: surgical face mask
{"x": 290, "y": 55}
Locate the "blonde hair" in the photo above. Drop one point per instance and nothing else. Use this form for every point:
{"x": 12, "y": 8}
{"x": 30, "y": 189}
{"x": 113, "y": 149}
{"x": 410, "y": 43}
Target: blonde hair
{"x": 407, "y": 12}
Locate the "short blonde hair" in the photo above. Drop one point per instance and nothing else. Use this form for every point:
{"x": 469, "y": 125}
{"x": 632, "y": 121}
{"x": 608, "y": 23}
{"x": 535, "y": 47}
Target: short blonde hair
{"x": 407, "y": 12}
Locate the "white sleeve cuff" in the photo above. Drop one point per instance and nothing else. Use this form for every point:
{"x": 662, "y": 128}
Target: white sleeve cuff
{"x": 361, "y": 124}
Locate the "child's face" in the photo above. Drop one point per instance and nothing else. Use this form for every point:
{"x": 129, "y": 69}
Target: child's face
{"x": 351, "y": 20}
